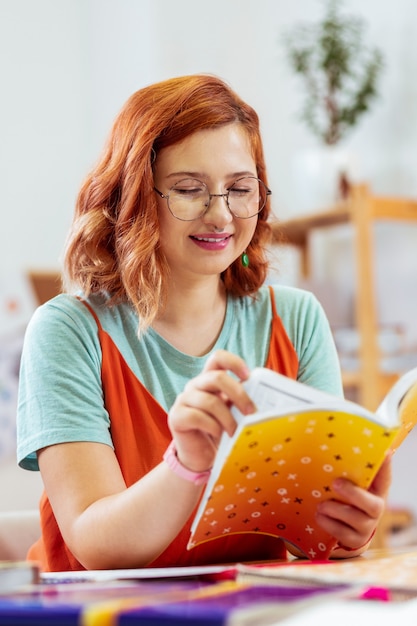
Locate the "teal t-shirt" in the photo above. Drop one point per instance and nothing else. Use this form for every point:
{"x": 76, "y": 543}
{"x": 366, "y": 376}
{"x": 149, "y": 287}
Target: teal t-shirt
{"x": 60, "y": 391}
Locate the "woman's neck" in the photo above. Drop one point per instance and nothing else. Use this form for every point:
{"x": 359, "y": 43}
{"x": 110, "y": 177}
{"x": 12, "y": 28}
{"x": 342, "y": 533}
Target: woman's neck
{"x": 193, "y": 317}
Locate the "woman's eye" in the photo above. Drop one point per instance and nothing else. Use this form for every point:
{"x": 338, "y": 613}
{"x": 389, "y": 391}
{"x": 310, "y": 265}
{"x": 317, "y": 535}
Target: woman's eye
{"x": 189, "y": 191}
{"x": 189, "y": 188}
{"x": 240, "y": 191}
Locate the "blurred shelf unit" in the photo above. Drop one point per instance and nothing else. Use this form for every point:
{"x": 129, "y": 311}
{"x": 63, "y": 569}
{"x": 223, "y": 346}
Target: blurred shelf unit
{"x": 367, "y": 375}
{"x": 46, "y": 284}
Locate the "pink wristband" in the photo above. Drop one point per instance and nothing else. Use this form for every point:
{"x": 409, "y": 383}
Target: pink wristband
{"x": 171, "y": 459}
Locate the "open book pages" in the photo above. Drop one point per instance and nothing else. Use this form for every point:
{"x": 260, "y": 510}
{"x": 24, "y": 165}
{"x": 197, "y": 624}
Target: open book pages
{"x": 401, "y": 401}
{"x": 277, "y": 393}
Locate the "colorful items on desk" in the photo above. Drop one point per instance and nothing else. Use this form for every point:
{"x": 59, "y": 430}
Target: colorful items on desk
{"x": 238, "y": 595}
{"x": 185, "y": 603}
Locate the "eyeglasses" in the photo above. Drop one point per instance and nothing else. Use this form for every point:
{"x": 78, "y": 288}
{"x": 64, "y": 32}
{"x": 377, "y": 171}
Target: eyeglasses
{"x": 190, "y": 198}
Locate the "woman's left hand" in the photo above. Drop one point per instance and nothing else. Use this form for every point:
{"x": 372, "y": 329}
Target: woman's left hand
{"x": 353, "y": 519}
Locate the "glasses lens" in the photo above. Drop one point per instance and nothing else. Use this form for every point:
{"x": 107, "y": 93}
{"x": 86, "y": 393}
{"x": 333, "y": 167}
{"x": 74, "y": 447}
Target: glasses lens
{"x": 247, "y": 196}
{"x": 188, "y": 199}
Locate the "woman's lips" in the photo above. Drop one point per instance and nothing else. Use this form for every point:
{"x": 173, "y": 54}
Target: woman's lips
{"x": 211, "y": 241}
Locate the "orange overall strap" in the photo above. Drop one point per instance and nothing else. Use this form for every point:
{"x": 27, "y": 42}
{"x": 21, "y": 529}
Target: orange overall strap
{"x": 282, "y": 356}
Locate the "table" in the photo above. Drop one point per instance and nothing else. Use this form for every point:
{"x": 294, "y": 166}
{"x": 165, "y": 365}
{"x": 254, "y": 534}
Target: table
{"x": 215, "y": 597}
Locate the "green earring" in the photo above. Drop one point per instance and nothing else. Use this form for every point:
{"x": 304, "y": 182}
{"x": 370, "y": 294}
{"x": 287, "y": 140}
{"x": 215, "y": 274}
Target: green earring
{"x": 245, "y": 259}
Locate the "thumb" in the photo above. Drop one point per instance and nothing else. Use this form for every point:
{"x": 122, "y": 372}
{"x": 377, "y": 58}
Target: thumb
{"x": 382, "y": 481}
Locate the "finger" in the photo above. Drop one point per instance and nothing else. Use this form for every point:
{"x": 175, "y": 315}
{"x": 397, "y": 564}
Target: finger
{"x": 345, "y": 535}
{"x": 368, "y": 502}
{"x": 197, "y": 447}
{"x": 195, "y": 425}
{"x": 347, "y": 515}
{"x": 353, "y": 519}
{"x": 222, "y": 385}
{"x": 349, "y": 525}
{"x": 223, "y": 360}
{"x": 197, "y": 409}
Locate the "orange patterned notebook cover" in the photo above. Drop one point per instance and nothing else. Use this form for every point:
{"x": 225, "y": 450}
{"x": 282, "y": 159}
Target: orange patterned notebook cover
{"x": 278, "y": 470}
{"x": 271, "y": 475}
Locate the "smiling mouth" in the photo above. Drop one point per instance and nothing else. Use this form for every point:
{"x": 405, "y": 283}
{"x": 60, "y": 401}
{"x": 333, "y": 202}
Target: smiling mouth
{"x": 210, "y": 239}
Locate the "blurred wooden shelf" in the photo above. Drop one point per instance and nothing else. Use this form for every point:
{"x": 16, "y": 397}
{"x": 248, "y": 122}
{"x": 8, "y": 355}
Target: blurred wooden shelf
{"x": 45, "y": 284}
{"x": 361, "y": 210}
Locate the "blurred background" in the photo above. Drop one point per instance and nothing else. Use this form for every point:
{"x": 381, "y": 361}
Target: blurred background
{"x": 67, "y": 67}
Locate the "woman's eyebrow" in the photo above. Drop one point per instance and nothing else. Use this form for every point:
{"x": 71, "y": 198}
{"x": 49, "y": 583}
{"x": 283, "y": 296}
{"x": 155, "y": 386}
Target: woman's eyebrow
{"x": 201, "y": 175}
{"x": 187, "y": 174}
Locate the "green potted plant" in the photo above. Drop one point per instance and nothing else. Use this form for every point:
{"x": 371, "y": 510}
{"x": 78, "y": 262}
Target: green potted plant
{"x": 339, "y": 71}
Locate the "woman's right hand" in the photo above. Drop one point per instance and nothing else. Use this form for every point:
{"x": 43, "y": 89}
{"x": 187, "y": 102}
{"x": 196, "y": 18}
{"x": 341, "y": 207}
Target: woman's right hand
{"x": 201, "y": 413}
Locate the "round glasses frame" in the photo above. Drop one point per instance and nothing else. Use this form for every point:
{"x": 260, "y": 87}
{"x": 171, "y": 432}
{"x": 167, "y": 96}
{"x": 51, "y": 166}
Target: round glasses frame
{"x": 263, "y": 196}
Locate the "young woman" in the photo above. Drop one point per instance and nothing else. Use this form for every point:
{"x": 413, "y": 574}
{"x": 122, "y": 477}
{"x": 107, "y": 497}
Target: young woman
{"x": 128, "y": 378}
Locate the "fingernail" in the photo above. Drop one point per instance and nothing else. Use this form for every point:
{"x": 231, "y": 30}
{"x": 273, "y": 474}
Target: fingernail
{"x": 245, "y": 372}
{"x": 250, "y": 408}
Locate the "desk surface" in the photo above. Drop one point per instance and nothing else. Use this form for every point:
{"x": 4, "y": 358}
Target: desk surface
{"x": 195, "y": 600}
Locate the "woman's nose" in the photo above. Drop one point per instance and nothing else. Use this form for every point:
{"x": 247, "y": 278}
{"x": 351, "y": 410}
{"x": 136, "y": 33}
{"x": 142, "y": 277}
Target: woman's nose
{"x": 218, "y": 211}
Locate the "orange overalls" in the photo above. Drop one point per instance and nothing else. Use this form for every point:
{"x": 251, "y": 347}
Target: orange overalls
{"x": 140, "y": 436}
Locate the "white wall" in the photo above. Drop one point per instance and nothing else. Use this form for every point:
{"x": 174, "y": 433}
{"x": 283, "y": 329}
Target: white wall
{"x": 41, "y": 127}
{"x": 67, "y": 66}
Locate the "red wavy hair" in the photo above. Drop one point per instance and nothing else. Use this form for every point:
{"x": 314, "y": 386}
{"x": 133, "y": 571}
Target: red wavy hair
{"x": 113, "y": 245}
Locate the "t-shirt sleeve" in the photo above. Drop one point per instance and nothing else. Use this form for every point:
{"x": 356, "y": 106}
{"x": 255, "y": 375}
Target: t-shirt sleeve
{"x": 309, "y": 330}
{"x": 60, "y": 395}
